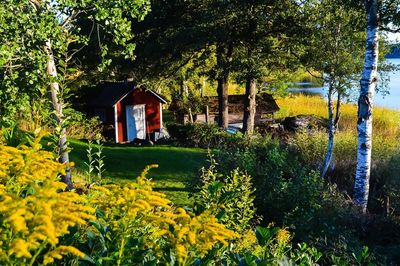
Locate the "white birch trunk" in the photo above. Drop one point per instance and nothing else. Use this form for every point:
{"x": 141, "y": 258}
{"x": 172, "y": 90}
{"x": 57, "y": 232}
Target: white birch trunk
{"x": 338, "y": 112}
{"x": 365, "y": 105}
{"x": 331, "y": 132}
{"x": 54, "y": 87}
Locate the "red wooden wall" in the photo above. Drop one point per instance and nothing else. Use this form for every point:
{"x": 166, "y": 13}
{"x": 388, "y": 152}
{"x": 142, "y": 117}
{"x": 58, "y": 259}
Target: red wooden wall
{"x": 153, "y": 109}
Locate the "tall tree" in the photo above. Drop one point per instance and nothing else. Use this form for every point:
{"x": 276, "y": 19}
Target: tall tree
{"x": 365, "y": 106}
{"x": 380, "y": 14}
{"x": 333, "y": 46}
{"x": 264, "y": 41}
{"x": 47, "y": 30}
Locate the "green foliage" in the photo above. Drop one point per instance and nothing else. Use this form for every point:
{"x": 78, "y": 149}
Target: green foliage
{"x": 273, "y": 247}
{"x": 204, "y": 136}
{"x": 79, "y": 126}
{"x": 229, "y": 197}
{"x": 95, "y": 162}
{"x": 185, "y": 104}
{"x": 334, "y": 44}
{"x": 290, "y": 194}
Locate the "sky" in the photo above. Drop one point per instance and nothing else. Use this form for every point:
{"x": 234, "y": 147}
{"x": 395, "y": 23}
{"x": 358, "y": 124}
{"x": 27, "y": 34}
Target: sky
{"x": 395, "y": 37}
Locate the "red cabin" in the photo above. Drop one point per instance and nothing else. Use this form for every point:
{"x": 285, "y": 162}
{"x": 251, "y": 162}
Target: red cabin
{"x": 128, "y": 112}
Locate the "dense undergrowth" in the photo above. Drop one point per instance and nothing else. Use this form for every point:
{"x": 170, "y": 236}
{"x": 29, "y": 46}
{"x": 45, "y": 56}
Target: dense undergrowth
{"x": 289, "y": 192}
{"x": 260, "y": 201}
{"x": 111, "y": 224}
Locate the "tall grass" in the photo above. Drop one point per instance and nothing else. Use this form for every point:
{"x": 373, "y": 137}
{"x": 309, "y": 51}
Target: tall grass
{"x": 385, "y": 147}
{"x": 386, "y": 122}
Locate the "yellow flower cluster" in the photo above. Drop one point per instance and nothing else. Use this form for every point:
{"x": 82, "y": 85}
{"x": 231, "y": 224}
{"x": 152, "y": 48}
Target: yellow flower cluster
{"x": 137, "y": 205}
{"x": 191, "y": 234}
{"x": 283, "y": 237}
{"x": 34, "y": 210}
{"x": 122, "y": 204}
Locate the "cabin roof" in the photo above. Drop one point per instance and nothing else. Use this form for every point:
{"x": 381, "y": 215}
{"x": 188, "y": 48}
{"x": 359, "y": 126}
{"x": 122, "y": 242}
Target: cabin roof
{"x": 265, "y": 104}
{"x": 113, "y": 92}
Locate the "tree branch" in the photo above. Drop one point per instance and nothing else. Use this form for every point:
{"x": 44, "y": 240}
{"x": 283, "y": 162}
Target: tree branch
{"x": 74, "y": 14}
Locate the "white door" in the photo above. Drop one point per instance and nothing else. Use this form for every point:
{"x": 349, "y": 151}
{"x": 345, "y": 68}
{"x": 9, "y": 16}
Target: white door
{"x": 136, "y": 121}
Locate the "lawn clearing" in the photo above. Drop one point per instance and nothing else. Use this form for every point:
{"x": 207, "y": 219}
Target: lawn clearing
{"x": 178, "y": 167}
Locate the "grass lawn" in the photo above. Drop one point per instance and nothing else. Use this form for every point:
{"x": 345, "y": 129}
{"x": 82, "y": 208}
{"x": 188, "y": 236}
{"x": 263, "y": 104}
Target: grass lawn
{"x": 178, "y": 167}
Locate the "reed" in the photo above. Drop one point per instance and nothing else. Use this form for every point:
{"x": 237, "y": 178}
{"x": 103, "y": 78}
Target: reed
{"x": 386, "y": 122}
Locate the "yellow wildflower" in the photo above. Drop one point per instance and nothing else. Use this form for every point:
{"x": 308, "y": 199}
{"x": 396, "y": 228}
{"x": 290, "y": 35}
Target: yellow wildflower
{"x": 181, "y": 252}
{"x": 19, "y": 247}
{"x": 283, "y": 237}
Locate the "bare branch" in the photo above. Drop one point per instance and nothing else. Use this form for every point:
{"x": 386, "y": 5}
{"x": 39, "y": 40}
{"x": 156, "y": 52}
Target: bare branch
{"x": 74, "y": 14}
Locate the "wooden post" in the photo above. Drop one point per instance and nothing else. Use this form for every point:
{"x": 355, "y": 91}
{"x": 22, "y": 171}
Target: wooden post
{"x": 207, "y": 115}
{"x": 387, "y": 206}
{"x": 190, "y": 116}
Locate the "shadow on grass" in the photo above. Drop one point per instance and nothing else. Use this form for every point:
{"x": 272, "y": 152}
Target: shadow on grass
{"x": 178, "y": 167}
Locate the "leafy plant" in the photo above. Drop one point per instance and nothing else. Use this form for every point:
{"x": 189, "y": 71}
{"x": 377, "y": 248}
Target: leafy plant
{"x": 34, "y": 212}
{"x": 99, "y": 160}
{"x": 95, "y": 161}
{"x": 230, "y": 197}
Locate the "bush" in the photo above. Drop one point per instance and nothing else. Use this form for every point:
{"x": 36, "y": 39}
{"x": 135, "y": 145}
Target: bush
{"x": 114, "y": 224}
{"x": 201, "y": 135}
{"x": 229, "y": 197}
{"x": 384, "y": 170}
{"x": 292, "y": 195}
{"x": 34, "y": 213}
{"x": 39, "y": 222}
{"x": 79, "y": 126}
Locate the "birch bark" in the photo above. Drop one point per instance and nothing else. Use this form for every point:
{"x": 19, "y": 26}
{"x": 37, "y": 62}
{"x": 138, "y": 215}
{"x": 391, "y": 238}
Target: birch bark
{"x": 338, "y": 113}
{"x": 331, "y": 129}
{"x": 365, "y": 104}
{"x": 54, "y": 87}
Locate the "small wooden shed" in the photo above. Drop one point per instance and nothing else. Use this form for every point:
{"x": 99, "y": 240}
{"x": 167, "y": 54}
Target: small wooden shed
{"x": 128, "y": 112}
{"x": 266, "y": 106}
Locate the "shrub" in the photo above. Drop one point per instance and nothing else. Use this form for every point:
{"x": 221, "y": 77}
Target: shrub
{"x": 289, "y": 193}
{"x": 34, "y": 213}
{"x": 229, "y": 197}
{"x": 384, "y": 172}
{"x": 133, "y": 224}
{"x": 79, "y": 126}
{"x": 136, "y": 224}
{"x": 198, "y": 135}
{"x": 40, "y": 223}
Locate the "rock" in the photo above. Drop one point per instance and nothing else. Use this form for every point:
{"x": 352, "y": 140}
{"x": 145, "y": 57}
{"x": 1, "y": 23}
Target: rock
{"x": 140, "y": 142}
{"x": 308, "y": 123}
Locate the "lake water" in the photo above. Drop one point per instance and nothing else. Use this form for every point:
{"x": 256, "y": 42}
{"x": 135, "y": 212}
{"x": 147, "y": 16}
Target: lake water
{"x": 390, "y": 100}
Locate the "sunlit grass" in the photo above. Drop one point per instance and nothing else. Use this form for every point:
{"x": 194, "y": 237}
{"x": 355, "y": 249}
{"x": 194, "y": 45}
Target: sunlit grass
{"x": 386, "y": 122}
{"x": 178, "y": 167}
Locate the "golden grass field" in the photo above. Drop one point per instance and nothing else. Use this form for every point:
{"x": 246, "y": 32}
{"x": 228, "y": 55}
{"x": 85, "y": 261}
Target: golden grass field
{"x": 386, "y": 122}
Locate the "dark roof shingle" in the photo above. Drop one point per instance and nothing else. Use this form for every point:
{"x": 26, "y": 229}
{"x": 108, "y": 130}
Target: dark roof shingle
{"x": 112, "y": 92}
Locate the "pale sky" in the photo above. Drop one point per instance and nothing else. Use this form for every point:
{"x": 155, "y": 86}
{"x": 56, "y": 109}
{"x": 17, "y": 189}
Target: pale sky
{"x": 394, "y": 37}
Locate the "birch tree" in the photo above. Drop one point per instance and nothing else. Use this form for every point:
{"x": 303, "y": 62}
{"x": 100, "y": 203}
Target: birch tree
{"x": 333, "y": 46}
{"x": 47, "y": 29}
{"x": 379, "y": 14}
{"x": 365, "y": 106}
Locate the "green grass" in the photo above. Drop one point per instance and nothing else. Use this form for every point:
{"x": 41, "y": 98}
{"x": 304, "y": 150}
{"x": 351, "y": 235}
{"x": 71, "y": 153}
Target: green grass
{"x": 178, "y": 167}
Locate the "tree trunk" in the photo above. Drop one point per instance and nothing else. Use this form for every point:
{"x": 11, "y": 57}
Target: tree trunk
{"x": 338, "y": 113}
{"x": 249, "y": 111}
{"x": 331, "y": 130}
{"x": 365, "y": 104}
{"x": 224, "y": 57}
{"x": 54, "y": 87}
{"x": 223, "y": 112}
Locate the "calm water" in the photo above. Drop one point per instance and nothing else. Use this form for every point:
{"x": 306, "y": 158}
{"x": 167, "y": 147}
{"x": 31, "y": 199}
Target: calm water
{"x": 391, "y": 100}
